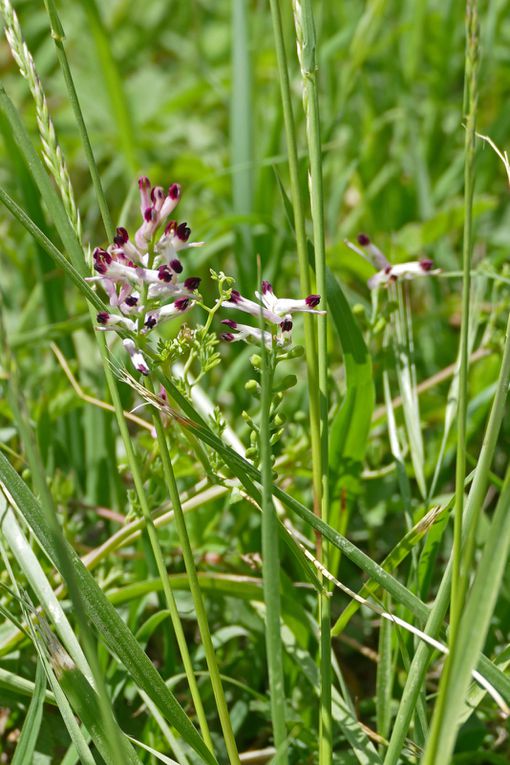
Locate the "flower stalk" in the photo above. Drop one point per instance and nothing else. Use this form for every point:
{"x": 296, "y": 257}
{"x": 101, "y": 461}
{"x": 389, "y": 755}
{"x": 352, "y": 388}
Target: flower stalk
{"x": 195, "y": 590}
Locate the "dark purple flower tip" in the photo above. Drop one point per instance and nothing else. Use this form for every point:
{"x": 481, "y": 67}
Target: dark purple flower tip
{"x": 426, "y": 264}
{"x": 103, "y": 317}
{"x": 131, "y": 300}
{"x": 192, "y": 283}
{"x": 151, "y": 322}
{"x": 143, "y": 369}
{"x": 235, "y": 296}
{"x": 286, "y": 325}
{"x": 183, "y": 232}
{"x": 144, "y": 183}
{"x": 148, "y": 214}
{"x": 170, "y": 227}
{"x": 174, "y": 192}
{"x": 182, "y": 303}
{"x": 165, "y": 274}
{"x": 364, "y": 240}
{"x": 227, "y": 336}
{"x": 102, "y": 259}
{"x": 266, "y": 287}
{"x": 312, "y": 300}
{"x": 100, "y": 253}
{"x": 176, "y": 266}
{"x": 157, "y": 193}
{"x": 121, "y": 236}
{"x": 229, "y": 323}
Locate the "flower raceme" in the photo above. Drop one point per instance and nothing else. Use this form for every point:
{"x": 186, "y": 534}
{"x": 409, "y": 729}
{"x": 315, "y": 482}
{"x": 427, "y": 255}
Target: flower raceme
{"x": 141, "y": 277}
{"x": 388, "y": 273}
{"x": 276, "y": 311}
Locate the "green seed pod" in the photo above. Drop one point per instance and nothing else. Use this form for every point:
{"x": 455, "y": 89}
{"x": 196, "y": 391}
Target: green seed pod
{"x": 379, "y": 325}
{"x": 276, "y": 437}
{"x": 256, "y": 361}
{"x": 287, "y": 382}
{"x": 252, "y": 386}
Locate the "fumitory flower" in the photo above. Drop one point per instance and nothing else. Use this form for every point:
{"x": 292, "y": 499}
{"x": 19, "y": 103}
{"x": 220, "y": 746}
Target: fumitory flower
{"x": 276, "y": 311}
{"x": 142, "y": 277}
{"x": 388, "y": 273}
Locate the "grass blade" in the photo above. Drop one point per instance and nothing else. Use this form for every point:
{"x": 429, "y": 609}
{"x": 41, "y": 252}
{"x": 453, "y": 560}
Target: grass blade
{"x": 103, "y": 615}
{"x": 25, "y": 748}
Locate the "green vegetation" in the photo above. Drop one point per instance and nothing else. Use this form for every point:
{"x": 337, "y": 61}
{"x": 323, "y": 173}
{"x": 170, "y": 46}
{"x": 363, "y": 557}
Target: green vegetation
{"x": 291, "y": 549}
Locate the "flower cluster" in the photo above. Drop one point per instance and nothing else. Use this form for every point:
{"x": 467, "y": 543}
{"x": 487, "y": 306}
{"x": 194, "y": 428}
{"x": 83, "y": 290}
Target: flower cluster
{"x": 386, "y": 272}
{"x": 276, "y": 311}
{"x": 141, "y": 277}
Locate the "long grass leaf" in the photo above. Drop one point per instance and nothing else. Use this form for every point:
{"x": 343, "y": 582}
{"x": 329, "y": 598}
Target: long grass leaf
{"x": 25, "y": 747}
{"x": 103, "y": 615}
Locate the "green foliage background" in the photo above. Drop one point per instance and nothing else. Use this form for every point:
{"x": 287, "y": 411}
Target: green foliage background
{"x": 189, "y": 92}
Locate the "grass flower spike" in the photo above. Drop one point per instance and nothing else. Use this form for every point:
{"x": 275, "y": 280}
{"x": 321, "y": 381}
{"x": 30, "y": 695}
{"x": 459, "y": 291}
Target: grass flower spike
{"x": 141, "y": 278}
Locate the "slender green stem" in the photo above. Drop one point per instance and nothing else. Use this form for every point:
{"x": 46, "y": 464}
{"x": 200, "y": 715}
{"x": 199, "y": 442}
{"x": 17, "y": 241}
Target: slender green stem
{"x": 459, "y": 577}
{"x": 58, "y": 36}
{"x": 196, "y": 593}
{"x": 271, "y": 566}
{"x": 416, "y": 675}
{"x": 471, "y": 100}
{"x": 306, "y": 46}
{"x": 301, "y": 245}
{"x": 154, "y": 542}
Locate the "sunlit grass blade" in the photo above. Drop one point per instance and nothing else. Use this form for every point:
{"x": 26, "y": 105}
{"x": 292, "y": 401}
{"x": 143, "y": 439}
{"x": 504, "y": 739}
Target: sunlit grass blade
{"x": 103, "y": 615}
{"x": 32, "y": 569}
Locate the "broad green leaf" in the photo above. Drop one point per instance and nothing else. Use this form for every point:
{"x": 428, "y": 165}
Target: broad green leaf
{"x": 351, "y": 423}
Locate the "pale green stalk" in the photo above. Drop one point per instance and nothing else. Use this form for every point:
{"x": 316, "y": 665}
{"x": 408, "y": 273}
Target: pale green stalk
{"x": 52, "y": 152}
{"x": 459, "y": 574}
{"x": 301, "y": 245}
{"x": 271, "y": 564}
{"x": 306, "y": 48}
{"x": 196, "y": 593}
